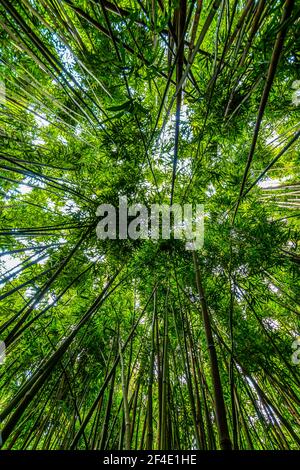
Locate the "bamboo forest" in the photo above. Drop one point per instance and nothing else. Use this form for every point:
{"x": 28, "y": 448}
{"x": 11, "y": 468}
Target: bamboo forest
{"x": 137, "y": 342}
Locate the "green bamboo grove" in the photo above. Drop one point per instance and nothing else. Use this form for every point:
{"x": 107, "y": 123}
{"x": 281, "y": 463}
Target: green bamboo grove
{"x": 140, "y": 343}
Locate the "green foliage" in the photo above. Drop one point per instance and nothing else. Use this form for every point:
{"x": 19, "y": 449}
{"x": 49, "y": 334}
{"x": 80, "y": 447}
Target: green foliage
{"x": 95, "y": 329}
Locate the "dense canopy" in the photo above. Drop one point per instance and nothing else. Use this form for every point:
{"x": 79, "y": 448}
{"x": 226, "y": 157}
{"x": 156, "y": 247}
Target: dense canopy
{"x": 142, "y": 344}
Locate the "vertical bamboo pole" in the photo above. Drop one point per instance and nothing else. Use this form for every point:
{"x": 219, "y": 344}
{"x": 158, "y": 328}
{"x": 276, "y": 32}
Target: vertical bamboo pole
{"x": 224, "y": 437}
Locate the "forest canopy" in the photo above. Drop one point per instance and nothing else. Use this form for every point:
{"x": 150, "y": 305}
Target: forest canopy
{"x": 135, "y": 343}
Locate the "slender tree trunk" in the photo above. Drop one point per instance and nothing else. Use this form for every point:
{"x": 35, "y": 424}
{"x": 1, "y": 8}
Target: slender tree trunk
{"x": 149, "y": 441}
{"x": 125, "y": 402}
{"x": 165, "y": 382}
{"x": 224, "y": 438}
